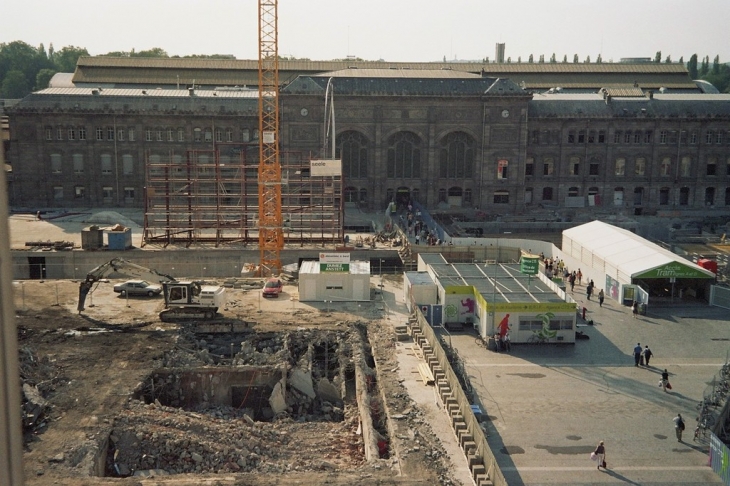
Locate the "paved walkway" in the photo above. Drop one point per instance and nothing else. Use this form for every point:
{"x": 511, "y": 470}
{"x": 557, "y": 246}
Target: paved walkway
{"x": 550, "y": 405}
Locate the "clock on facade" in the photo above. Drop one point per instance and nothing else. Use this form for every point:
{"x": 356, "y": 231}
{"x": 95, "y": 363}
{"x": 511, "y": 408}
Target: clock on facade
{"x": 505, "y": 113}
{"x": 304, "y": 112}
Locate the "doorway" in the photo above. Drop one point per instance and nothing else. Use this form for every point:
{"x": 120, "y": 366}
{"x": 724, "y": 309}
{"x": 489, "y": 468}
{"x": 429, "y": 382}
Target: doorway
{"x": 37, "y": 268}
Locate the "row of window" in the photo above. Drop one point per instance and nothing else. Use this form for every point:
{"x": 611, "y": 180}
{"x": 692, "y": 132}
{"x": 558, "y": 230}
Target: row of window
{"x": 548, "y": 195}
{"x": 636, "y": 137}
{"x": 105, "y": 161}
{"x": 154, "y": 134}
{"x": 640, "y": 167}
{"x": 107, "y": 193}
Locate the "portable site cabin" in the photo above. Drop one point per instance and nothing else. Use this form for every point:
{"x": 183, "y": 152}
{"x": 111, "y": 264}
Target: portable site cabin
{"x": 484, "y": 296}
{"x": 630, "y": 267}
{"x": 335, "y": 282}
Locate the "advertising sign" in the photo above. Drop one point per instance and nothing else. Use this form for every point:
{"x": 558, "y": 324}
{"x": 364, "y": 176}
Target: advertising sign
{"x": 334, "y": 267}
{"x": 325, "y": 167}
{"x": 339, "y": 257}
{"x": 529, "y": 265}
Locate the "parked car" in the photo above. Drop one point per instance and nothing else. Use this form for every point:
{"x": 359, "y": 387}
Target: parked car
{"x": 138, "y": 287}
{"x": 273, "y": 287}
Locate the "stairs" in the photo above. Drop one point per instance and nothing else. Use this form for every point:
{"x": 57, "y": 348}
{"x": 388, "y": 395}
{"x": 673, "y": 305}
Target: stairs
{"x": 463, "y": 434}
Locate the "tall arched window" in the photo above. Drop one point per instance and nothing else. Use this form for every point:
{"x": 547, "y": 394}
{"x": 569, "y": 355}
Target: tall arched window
{"x": 352, "y": 148}
{"x": 404, "y": 155}
{"x": 456, "y": 156}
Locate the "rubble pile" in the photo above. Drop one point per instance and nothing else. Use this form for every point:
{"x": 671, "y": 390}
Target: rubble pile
{"x": 223, "y": 439}
{"x": 39, "y": 376}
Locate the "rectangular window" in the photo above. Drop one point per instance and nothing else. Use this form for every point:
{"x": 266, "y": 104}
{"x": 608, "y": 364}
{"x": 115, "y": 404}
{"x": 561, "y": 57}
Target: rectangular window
{"x": 547, "y": 167}
{"x": 49, "y": 133}
{"x": 127, "y": 164}
{"x": 180, "y": 135}
{"x": 79, "y": 192}
{"x": 627, "y": 137}
{"x": 57, "y": 192}
{"x": 218, "y": 135}
{"x": 106, "y": 164}
{"x": 709, "y": 136}
{"x": 82, "y": 133}
{"x": 502, "y": 169}
{"x": 78, "y": 163}
{"x": 72, "y": 133}
{"x": 647, "y": 136}
{"x": 620, "y": 166}
{"x": 685, "y": 166}
{"x": 148, "y": 135}
{"x": 229, "y": 135}
{"x": 107, "y": 193}
{"x": 110, "y": 133}
{"x": 131, "y": 134}
{"x": 602, "y": 136}
{"x": 208, "y": 135}
{"x": 637, "y": 137}
{"x": 727, "y": 167}
{"x": 467, "y": 196}
{"x": 529, "y": 166}
{"x": 665, "y": 169}
{"x": 99, "y": 133}
{"x": 574, "y": 166}
{"x": 547, "y": 193}
{"x": 718, "y": 137}
{"x": 59, "y": 133}
{"x": 712, "y": 167}
{"x": 197, "y": 134}
{"x": 617, "y": 136}
{"x": 664, "y": 196}
{"x": 592, "y": 136}
{"x": 501, "y": 197}
{"x": 535, "y": 137}
{"x": 581, "y": 136}
{"x": 129, "y": 194}
{"x": 663, "y": 137}
{"x": 120, "y": 134}
{"x": 693, "y": 138}
{"x": 55, "y": 163}
{"x": 673, "y": 137}
{"x": 245, "y": 135}
{"x": 571, "y": 136}
{"x": 170, "y": 135}
{"x": 593, "y": 168}
{"x": 158, "y": 135}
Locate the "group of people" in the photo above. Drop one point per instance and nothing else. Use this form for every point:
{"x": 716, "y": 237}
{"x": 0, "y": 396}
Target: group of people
{"x": 642, "y": 355}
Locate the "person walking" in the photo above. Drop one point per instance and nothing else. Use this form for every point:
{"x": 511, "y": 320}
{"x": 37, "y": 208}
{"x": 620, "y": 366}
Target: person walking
{"x": 589, "y": 291}
{"x": 601, "y": 297}
{"x": 678, "y": 426}
{"x": 665, "y": 380}
{"x": 647, "y": 355}
{"x": 579, "y": 276}
{"x": 635, "y": 309}
{"x": 601, "y": 454}
{"x": 637, "y": 354}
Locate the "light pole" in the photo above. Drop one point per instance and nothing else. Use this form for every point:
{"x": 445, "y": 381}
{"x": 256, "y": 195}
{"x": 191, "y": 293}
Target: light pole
{"x": 381, "y": 276}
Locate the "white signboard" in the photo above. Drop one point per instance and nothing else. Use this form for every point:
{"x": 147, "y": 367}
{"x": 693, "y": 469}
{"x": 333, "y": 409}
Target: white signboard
{"x": 325, "y": 167}
{"x": 334, "y": 257}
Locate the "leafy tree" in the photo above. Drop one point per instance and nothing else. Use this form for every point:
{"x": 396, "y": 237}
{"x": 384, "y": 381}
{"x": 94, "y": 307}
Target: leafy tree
{"x": 681, "y": 60}
{"x": 519, "y": 59}
{"x": 531, "y": 59}
{"x": 66, "y": 59}
{"x": 692, "y": 66}
{"x": 14, "y": 85}
{"x": 565, "y": 58}
{"x": 716, "y": 65}
{"x": 43, "y": 78}
{"x": 552, "y": 58}
{"x": 668, "y": 60}
{"x": 588, "y": 59}
{"x": 575, "y": 58}
{"x": 509, "y": 60}
{"x": 542, "y": 57}
{"x": 154, "y": 52}
{"x": 705, "y": 67}
{"x": 116, "y": 54}
{"x": 658, "y": 56}
{"x": 599, "y": 59}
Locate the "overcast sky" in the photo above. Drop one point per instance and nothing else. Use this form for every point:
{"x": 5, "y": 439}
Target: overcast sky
{"x": 392, "y": 30}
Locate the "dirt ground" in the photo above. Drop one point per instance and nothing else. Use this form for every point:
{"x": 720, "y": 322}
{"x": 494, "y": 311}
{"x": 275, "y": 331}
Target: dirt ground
{"x": 94, "y": 371}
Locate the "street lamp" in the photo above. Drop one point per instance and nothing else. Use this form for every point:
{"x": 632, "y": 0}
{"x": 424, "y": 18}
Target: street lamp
{"x": 381, "y": 275}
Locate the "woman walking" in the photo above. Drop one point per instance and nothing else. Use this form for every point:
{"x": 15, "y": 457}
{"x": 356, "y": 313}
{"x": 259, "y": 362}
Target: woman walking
{"x": 601, "y": 454}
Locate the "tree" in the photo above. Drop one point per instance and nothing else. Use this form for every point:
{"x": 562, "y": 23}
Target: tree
{"x": 658, "y": 56}
{"x": 668, "y": 60}
{"x": 681, "y": 60}
{"x": 588, "y": 59}
{"x": 599, "y": 59}
{"x": 43, "y": 78}
{"x": 531, "y": 59}
{"x": 575, "y": 58}
{"x": 14, "y": 85}
{"x": 509, "y": 60}
{"x": 154, "y": 52}
{"x": 519, "y": 59}
{"x": 21, "y": 57}
{"x": 66, "y": 59}
{"x": 542, "y": 57}
{"x": 705, "y": 67}
{"x": 552, "y": 58}
{"x": 692, "y": 66}
{"x": 716, "y": 65}
{"x": 565, "y": 58}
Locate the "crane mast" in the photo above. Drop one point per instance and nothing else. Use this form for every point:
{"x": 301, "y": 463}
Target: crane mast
{"x": 271, "y": 233}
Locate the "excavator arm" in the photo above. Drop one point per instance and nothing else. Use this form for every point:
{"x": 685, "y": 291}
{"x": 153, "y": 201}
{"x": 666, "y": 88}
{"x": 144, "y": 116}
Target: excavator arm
{"x": 123, "y": 267}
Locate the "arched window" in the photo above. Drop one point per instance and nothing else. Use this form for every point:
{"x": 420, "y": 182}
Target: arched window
{"x": 363, "y": 195}
{"x": 456, "y": 156}
{"x": 415, "y": 194}
{"x": 665, "y": 168}
{"x": 664, "y": 196}
{"x": 710, "y": 196}
{"x": 442, "y": 195}
{"x": 573, "y": 191}
{"x": 638, "y": 196}
{"x": 404, "y": 155}
{"x": 352, "y": 148}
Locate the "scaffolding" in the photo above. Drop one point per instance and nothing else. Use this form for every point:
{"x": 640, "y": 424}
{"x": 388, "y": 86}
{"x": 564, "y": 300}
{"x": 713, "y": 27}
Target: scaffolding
{"x": 212, "y": 197}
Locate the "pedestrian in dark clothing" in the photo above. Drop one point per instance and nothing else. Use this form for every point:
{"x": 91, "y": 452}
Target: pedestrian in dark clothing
{"x": 678, "y": 426}
{"x": 665, "y": 380}
{"x": 601, "y": 297}
{"x": 637, "y": 354}
{"x": 589, "y": 291}
{"x": 601, "y": 455}
{"x": 571, "y": 279}
{"x": 635, "y": 309}
{"x": 647, "y": 355}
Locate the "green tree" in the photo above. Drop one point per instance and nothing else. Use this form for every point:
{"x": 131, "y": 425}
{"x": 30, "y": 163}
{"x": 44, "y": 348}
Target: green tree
{"x": 542, "y": 57}
{"x": 575, "y": 58}
{"x": 519, "y": 59}
{"x": 705, "y": 67}
{"x": 65, "y": 60}
{"x": 658, "y": 56}
{"x": 43, "y": 78}
{"x": 154, "y": 52}
{"x": 531, "y": 59}
{"x": 599, "y": 59}
{"x": 716, "y": 65}
{"x": 588, "y": 59}
{"x": 552, "y": 58}
{"x": 668, "y": 60}
{"x": 681, "y": 60}
{"x": 565, "y": 58}
{"x": 14, "y": 85}
{"x": 692, "y": 66}
{"x": 19, "y": 56}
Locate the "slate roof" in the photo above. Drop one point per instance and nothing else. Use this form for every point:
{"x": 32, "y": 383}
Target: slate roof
{"x": 661, "y": 105}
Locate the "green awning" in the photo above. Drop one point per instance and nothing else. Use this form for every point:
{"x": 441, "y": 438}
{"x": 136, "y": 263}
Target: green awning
{"x": 674, "y": 270}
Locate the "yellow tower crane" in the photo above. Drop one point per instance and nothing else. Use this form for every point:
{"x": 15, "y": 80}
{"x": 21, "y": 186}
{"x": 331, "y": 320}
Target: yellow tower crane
{"x": 271, "y": 233}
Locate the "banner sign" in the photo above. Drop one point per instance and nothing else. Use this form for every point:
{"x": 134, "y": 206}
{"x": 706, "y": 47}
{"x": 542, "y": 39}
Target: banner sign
{"x": 676, "y": 270}
{"x": 334, "y": 257}
{"x": 334, "y": 267}
{"x": 529, "y": 265}
{"x": 325, "y": 167}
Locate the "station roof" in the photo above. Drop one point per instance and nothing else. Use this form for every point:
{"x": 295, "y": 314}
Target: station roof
{"x": 628, "y": 252}
{"x": 511, "y": 286}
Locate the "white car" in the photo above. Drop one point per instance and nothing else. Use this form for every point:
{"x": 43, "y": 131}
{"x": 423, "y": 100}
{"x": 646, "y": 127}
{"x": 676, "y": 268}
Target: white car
{"x": 138, "y": 287}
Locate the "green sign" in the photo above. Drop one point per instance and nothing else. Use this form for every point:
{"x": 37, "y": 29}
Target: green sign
{"x": 529, "y": 265}
{"x": 334, "y": 267}
{"x": 674, "y": 270}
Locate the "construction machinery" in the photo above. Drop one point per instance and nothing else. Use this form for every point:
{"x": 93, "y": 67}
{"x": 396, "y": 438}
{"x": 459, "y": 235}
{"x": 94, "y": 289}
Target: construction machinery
{"x": 183, "y": 299}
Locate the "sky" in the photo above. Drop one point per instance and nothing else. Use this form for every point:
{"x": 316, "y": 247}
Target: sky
{"x": 391, "y": 30}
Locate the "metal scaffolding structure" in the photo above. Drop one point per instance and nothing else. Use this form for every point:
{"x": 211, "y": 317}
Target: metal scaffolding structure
{"x": 212, "y": 197}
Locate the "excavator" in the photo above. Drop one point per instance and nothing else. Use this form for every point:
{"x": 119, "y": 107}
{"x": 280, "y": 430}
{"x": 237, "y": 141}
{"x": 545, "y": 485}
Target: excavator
{"x": 183, "y": 299}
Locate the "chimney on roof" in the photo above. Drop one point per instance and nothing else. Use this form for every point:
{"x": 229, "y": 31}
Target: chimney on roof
{"x": 191, "y": 91}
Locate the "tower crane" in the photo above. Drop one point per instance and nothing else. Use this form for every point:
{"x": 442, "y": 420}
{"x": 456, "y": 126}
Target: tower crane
{"x": 271, "y": 233}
